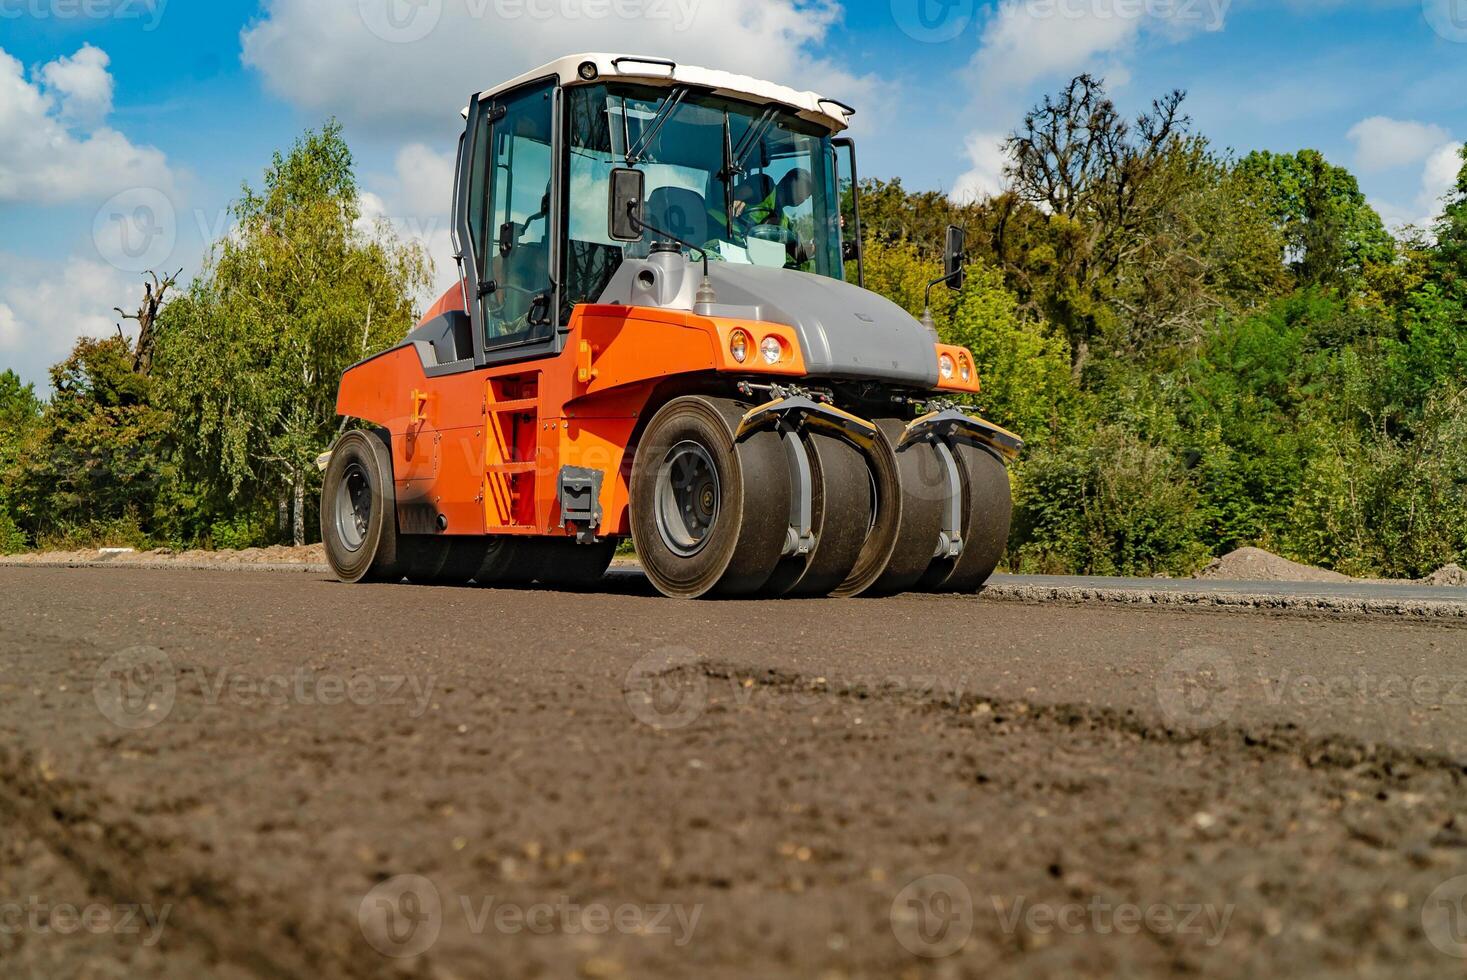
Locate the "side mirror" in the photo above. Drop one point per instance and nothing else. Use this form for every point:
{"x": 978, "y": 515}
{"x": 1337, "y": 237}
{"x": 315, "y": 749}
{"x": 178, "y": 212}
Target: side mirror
{"x": 955, "y": 258}
{"x": 628, "y": 190}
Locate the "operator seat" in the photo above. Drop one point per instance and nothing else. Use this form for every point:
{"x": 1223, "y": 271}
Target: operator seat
{"x": 679, "y": 211}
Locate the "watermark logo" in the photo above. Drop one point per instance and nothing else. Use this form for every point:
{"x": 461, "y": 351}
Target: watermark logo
{"x": 400, "y": 21}
{"x": 66, "y": 919}
{"x": 402, "y": 917}
{"x": 1448, "y": 18}
{"x": 933, "y": 21}
{"x": 667, "y": 689}
{"x": 1191, "y": 920}
{"x": 135, "y": 688}
{"x": 136, "y": 230}
{"x": 1444, "y": 917}
{"x": 933, "y": 916}
{"x": 408, "y": 21}
{"x": 150, "y": 12}
{"x": 1198, "y": 688}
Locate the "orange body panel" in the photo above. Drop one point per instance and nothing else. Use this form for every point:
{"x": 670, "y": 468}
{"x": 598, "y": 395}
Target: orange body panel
{"x": 484, "y": 448}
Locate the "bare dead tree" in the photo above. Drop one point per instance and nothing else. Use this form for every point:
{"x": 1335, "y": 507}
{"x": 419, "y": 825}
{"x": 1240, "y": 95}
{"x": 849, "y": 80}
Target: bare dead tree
{"x": 1089, "y": 172}
{"x": 147, "y": 319}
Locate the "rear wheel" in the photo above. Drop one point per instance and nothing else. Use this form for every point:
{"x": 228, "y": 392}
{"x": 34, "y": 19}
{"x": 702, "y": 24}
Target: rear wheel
{"x": 424, "y": 558}
{"x": 842, "y": 504}
{"x": 708, "y": 516}
{"x": 562, "y": 563}
{"x": 910, "y": 489}
{"x": 506, "y": 562}
{"x": 359, "y": 510}
{"x": 987, "y": 510}
{"x": 463, "y": 558}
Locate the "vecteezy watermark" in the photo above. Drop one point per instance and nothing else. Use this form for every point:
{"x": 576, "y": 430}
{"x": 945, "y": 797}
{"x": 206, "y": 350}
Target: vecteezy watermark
{"x": 933, "y": 916}
{"x": 403, "y": 917}
{"x": 1099, "y": 917}
{"x": 667, "y": 688}
{"x": 65, "y": 919}
{"x": 1448, "y": 18}
{"x": 150, "y": 12}
{"x": 136, "y": 230}
{"x": 1198, "y": 688}
{"x": 401, "y": 21}
{"x": 310, "y": 688}
{"x": 933, "y": 21}
{"x": 136, "y": 688}
{"x": 1365, "y": 687}
{"x": 408, "y": 21}
{"x": 1444, "y": 917}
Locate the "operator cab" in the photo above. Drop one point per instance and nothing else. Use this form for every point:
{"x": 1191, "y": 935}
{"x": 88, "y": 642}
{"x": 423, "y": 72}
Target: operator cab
{"x": 749, "y": 172}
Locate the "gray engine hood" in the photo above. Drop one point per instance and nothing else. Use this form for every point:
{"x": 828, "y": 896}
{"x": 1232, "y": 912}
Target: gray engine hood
{"x": 844, "y": 330}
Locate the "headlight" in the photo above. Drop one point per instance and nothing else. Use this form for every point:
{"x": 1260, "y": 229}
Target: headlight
{"x": 738, "y": 346}
{"x": 772, "y": 350}
{"x": 945, "y": 367}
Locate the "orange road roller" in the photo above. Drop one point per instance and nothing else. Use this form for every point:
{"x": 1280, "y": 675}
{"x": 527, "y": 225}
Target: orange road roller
{"x": 653, "y": 338}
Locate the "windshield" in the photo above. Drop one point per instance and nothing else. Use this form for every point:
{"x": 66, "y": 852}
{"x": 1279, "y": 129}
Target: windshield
{"x": 750, "y": 184}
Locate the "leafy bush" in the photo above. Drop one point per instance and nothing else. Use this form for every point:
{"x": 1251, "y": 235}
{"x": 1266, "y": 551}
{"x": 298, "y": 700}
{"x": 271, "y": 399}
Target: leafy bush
{"x": 12, "y": 538}
{"x": 1112, "y": 506}
{"x": 121, "y": 532}
{"x": 1024, "y": 370}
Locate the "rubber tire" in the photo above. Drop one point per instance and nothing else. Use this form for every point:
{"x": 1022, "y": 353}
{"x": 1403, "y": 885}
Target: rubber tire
{"x": 423, "y": 557}
{"x": 464, "y": 558}
{"x": 911, "y": 491}
{"x": 748, "y": 538}
{"x": 561, "y": 563}
{"x": 841, "y": 519}
{"x": 988, "y": 507}
{"x": 378, "y": 559}
{"x": 506, "y": 562}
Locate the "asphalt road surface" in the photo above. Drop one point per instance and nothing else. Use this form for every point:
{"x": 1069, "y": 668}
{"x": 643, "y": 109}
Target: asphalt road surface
{"x": 273, "y": 775}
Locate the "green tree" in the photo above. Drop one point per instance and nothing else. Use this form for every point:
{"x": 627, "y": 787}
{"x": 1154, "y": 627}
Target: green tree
{"x": 99, "y": 456}
{"x": 1331, "y": 234}
{"x": 20, "y": 411}
{"x": 1450, "y": 256}
{"x": 250, "y": 358}
{"x": 1024, "y": 369}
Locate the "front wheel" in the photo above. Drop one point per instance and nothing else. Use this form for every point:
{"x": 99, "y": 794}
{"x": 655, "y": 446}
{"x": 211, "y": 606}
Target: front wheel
{"x": 709, "y": 516}
{"x": 359, "y": 510}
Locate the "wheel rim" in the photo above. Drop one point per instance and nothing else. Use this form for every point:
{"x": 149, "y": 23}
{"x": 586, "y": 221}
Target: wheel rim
{"x": 688, "y": 493}
{"x": 353, "y": 507}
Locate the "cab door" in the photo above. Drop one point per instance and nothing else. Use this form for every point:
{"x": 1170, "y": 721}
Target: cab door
{"x": 510, "y": 189}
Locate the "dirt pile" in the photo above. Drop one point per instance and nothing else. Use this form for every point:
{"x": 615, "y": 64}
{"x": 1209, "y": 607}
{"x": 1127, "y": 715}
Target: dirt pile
{"x": 1448, "y": 576}
{"x": 1257, "y": 565}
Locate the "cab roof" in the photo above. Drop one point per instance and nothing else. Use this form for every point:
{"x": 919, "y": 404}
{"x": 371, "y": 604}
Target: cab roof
{"x": 834, "y": 115}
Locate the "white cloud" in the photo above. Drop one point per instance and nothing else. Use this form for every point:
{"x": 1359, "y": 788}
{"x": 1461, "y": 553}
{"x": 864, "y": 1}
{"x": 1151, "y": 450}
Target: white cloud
{"x": 1025, "y": 41}
{"x": 9, "y": 328}
{"x": 46, "y": 306}
{"x": 55, "y": 148}
{"x": 415, "y": 202}
{"x": 1028, "y": 42}
{"x": 1438, "y": 177}
{"x": 339, "y": 56}
{"x": 1382, "y": 143}
{"x": 985, "y": 179}
{"x": 83, "y": 85}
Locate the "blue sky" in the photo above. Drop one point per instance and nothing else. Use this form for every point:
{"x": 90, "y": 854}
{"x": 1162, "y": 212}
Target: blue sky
{"x": 116, "y": 111}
